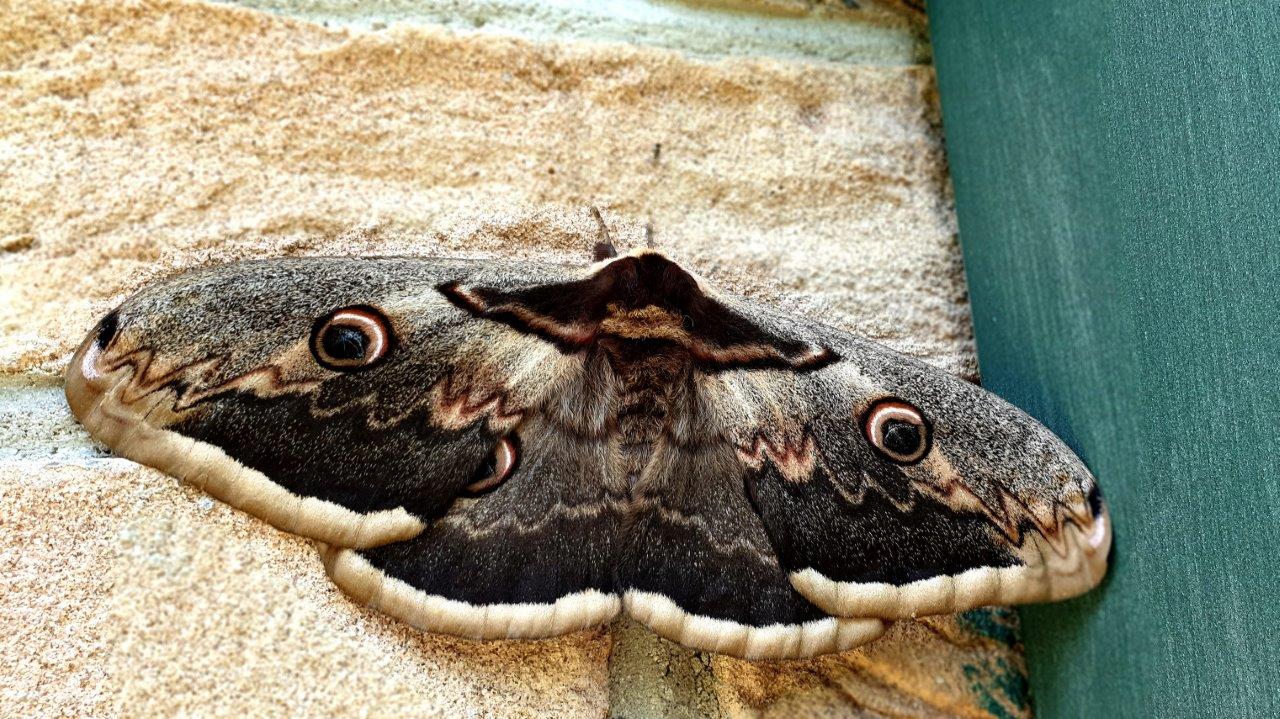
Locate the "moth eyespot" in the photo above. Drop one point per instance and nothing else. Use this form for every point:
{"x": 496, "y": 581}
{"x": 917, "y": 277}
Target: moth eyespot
{"x": 898, "y": 430}
{"x": 495, "y": 468}
{"x": 351, "y": 338}
{"x": 107, "y": 330}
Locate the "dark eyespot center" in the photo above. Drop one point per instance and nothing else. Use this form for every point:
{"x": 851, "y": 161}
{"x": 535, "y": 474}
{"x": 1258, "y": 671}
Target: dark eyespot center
{"x": 352, "y": 338}
{"x": 901, "y": 437}
{"x": 496, "y": 467}
{"x": 107, "y": 330}
{"x": 343, "y": 342}
{"x": 897, "y": 430}
{"x": 487, "y": 469}
{"x": 1095, "y": 500}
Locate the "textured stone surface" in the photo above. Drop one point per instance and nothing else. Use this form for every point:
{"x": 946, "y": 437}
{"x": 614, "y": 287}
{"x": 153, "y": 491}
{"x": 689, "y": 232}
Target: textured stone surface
{"x": 137, "y": 138}
{"x": 872, "y": 32}
{"x": 126, "y": 593}
{"x": 143, "y": 137}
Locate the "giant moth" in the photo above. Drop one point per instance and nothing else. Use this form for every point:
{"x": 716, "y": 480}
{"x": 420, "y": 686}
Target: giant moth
{"x": 508, "y": 450}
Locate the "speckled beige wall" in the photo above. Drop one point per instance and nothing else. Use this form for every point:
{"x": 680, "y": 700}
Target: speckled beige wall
{"x": 137, "y": 138}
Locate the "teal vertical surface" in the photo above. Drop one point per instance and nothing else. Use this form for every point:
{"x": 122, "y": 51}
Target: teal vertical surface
{"x": 1117, "y": 176}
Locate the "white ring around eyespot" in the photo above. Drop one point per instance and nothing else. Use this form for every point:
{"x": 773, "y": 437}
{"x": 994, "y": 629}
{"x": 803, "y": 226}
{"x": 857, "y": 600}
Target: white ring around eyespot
{"x": 1101, "y": 533}
{"x": 896, "y": 409}
{"x": 89, "y": 362}
{"x": 505, "y": 455}
{"x": 372, "y": 326}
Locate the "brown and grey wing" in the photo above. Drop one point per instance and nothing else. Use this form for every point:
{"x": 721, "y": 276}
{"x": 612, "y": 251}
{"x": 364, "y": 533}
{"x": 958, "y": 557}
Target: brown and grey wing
{"x": 699, "y": 568}
{"x": 531, "y": 557}
{"x": 450, "y": 466}
{"x": 890, "y": 489}
{"x": 346, "y": 400}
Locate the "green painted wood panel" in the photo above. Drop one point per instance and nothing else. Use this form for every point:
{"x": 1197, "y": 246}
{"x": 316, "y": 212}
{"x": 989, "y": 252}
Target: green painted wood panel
{"x": 1117, "y": 175}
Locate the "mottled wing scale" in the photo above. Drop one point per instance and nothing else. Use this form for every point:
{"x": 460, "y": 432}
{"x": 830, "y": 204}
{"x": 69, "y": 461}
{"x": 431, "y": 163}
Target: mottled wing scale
{"x": 973, "y": 524}
{"x": 703, "y": 462}
{"x": 696, "y": 563}
{"x": 373, "y": 464}
{"x": 518, "y": 552}
{"x": 531, "y": 557}
{"x": 700, "y": 568}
